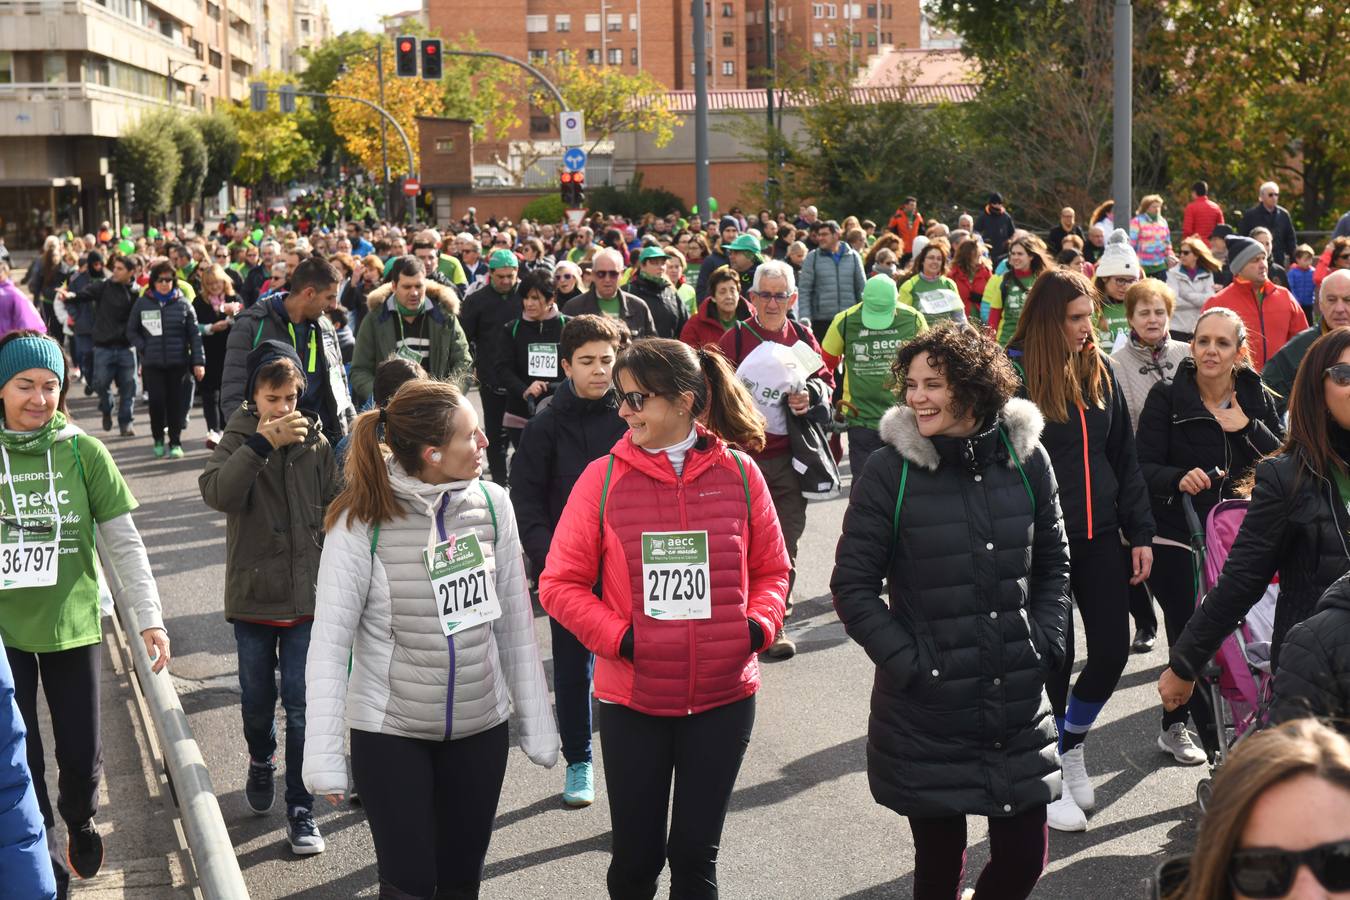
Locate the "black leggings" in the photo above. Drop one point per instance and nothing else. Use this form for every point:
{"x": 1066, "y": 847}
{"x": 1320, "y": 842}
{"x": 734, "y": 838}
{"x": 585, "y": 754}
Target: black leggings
{"x": 166, "y": 389}
{"x": 1173, "y": 583}
{"x": 1019, "y": 848}
{"x": 1099, "y": 576}
{"x": 641, "y": 754}
{"x": 431, "y": 805}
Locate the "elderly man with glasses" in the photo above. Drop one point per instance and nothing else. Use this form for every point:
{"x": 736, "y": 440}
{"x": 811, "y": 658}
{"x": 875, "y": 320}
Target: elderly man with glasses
{"x": 1268, "y": 213}
{"x": 781, "y": 364}
{"x": 604, "y": 298}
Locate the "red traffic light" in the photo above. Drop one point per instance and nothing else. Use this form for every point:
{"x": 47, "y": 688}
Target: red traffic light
{"x": 565, "y": 177}
{"x": 405, "y": 46}
{"x": 430, "y": 49}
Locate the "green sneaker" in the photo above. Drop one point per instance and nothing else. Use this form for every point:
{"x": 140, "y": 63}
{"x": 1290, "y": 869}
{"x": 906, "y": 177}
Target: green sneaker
{"x": 579, "y": 788}
{"x": 175, "y": 452}
{"x": 159, "y": 450}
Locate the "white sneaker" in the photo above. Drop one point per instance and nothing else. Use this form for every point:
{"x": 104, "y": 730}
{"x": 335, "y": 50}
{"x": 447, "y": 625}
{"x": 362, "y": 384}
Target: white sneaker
{"x": 1176, "y": 740}
{"x": 1064, "y": 815}
{"x": 1076, "y": 782}
{"x": 968, "y": 894}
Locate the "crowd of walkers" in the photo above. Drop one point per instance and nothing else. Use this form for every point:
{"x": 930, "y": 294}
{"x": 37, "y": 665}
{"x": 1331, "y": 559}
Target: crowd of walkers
{"x": 660, "y": 402}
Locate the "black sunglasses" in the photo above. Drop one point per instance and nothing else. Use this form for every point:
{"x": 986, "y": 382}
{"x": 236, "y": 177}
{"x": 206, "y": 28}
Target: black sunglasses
{"x": 1339, "y": 373}
{"x": 1267, "y": 872}
{"x": 634, "y": 399}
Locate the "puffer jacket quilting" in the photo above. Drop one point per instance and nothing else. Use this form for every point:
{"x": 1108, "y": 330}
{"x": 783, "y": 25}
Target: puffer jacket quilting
{"x": 678, "y": 667}
{"x": 1314, "y": 674}
{"x": 978, "y": 587}
{"x": 380, "y": 608}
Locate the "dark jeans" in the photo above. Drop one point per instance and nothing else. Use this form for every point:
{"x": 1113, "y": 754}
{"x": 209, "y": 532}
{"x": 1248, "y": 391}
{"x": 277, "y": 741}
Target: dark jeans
{"x": 260, "y": 648}
{"x": 215, "y": 416}
{"x": 573, "y": 668}
{"x": 862, "y": 443}
{"x": 1099, "y": 578}
{"x": 70, "y": 681}
{"x": 431, "y": 805}
{"x": 790, "y": 505}
{"x": 84, "y": 356}
{"x": 1019, "y": 848}
{"x": 702, "y": 754}
{"x": 1173, "y": 583}
{"x": 165, "y": 387}
{"x": 494, "y": 408}
{"x": 116, "y": 364}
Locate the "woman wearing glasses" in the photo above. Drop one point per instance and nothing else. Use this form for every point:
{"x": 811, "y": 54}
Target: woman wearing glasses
{"x": 1296, "y": 525}
{"x": 567, "y": 280}
{"x": 163, "y": 329}
{"x": 680, "y": 533}
{"x": 1279, "y": 824}
{"x": 1191, "y": 278}
{"x": 59, "y": 485}
{"x": 1113, "y": 275}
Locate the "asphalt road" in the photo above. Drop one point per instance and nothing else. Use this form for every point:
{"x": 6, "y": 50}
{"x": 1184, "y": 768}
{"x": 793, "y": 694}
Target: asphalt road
{"x": 802, "y": 825}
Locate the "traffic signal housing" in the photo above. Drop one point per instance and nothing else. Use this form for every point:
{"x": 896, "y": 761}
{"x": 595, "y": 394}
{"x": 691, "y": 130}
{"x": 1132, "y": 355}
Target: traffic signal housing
{"x": 431, "y": 59}
{"x": 405, "y": 56}
{"x": 573, "y": 189}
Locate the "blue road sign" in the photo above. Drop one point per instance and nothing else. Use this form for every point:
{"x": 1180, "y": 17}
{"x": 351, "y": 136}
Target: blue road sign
{"x": 574, "y": 160}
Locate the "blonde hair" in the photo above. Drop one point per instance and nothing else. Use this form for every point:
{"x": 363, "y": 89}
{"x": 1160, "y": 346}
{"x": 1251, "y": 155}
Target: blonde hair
{"x": 217, "y": 273}
{"x": 1148, "y": 201}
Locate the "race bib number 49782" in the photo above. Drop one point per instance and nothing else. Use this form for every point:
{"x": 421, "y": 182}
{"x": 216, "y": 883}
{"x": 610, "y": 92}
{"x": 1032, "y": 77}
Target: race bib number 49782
{"x": 675, "y": 578}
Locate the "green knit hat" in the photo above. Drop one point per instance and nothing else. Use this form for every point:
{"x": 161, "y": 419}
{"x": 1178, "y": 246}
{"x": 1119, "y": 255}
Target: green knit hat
{"x": 34, "y": 352}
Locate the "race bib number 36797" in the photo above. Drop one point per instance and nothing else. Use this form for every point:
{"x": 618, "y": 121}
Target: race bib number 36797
{"x": 466, "y": 592}
{"x": 675, "y": 578}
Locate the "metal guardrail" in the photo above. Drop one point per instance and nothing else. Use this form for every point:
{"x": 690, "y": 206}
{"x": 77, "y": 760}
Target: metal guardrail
{"x": 213, "y": 857}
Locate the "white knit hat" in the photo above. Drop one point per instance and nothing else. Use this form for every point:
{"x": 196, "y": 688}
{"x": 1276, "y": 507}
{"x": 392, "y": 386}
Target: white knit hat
{"x": 1118, "y": 258}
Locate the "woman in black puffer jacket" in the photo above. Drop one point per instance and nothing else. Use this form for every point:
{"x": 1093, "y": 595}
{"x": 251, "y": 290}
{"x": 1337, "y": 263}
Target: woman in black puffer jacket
{"x": 958, "y": 513}
{"x": 1296, "y": 525}
{"x": 1102, "y": 492}
{"x": 1215, "y": 415}
{"x": 1314, "y": 676}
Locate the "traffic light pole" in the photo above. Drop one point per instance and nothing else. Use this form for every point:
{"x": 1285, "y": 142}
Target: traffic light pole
{"x": 384, "y": 126}
{"x": 552, "y": 88}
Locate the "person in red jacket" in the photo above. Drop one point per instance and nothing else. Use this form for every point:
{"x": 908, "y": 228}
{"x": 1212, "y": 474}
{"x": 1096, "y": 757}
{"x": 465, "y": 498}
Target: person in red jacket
{"x": 719, "y": 312}
{"x": 679, "y": 532}
{"x": 1270, "y": 312}
{"x": 1202, "y": 214}
{"x": 906, "y": 223}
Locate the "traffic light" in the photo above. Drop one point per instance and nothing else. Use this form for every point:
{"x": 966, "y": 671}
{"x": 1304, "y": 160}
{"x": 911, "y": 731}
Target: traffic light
{"x": 578, "y": 190}
{"x": 257, "y": 96}
{"x": 431, "y": 59}
{"x": 405, "y": 56}
{"x": 565, "y": 182}
{"x": 286, "y": 95}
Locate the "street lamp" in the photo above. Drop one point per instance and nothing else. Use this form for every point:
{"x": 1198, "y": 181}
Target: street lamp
{"x": 384, "y": 127}
{"x": 177, "y": 67}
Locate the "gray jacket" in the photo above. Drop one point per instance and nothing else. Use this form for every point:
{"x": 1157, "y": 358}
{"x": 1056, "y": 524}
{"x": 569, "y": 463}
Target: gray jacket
{"x": 826, "y": 287}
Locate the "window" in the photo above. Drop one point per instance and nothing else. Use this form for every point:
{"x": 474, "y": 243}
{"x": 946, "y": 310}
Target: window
{"x": 871, "y": 38}
{"x": 593, "y": 56}
{"x": 540, "y": 124}
{"x": 215, "y": 58}
{"x": 54, "y": 67}
{"x": 563, "y": 22}
{"x": 856, "y": 8}
{"x": 197, "y": 49}
{"x": 632, "y": 56}
{"x": 728, "y": 67}
{"x": 632, "y": 21}
{"x": 728, "y": 39}
{"x": 818, "y": 39}
{"x": 213, "y": 10}
{"x": 536, "y": 24}
{"x": 95, "y": 70}
{"x": 615, "y": 56}
{"x": 304, "y": 26}
{"x": 831, "y": 40}
{"x": 538, "y": 56}
{"x": 6, "y": 68}
{"x": 817, "y": 10}
{"x": 563, "y": 56}
{"x": 728, "y": 11}
{"x": 871, "y": 10}
{"x": 857, "y": 38}
{"x": 592, "y": 21}
{"x": 445, "y": 145}
{"x": 614, "y": 22}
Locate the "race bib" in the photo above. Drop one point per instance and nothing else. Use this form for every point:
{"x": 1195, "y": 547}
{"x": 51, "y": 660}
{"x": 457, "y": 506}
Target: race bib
{"x": 941, "y": 303}
{"x": 542, "y": 360}
{"x": 152, "y": 321}
{"x": 675, "y": 579}
{"x": 466, "y": 593}
{"x": 28, "y": 554}
{"x": 409, "y": 353}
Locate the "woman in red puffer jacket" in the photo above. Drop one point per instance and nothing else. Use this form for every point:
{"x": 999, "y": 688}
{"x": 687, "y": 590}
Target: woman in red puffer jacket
{"x": 681, "y": 535}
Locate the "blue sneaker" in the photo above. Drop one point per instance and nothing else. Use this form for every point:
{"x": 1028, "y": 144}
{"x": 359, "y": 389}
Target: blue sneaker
{"x": 579, "y": 788}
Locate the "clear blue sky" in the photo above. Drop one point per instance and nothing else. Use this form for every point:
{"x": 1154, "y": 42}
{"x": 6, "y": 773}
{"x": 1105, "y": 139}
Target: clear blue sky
{"x": 350, "y": 15}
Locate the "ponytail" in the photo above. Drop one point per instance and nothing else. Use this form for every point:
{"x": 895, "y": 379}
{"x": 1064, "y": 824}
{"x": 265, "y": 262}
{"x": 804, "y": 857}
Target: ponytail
{"x": 421, "y": 414}
{"x": 730, "y": 413}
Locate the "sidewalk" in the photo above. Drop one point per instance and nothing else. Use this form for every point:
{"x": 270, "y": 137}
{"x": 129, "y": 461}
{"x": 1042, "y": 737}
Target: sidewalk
{"x": 142, "y": 838}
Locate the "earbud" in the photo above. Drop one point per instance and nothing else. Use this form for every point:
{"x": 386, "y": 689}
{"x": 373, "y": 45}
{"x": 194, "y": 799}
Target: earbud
{"x": 436, "y": 456}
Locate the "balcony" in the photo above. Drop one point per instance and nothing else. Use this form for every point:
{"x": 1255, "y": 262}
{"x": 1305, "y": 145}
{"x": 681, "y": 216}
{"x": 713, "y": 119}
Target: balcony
{"x": 70, "y": 108}
{"x": 56, "y": 25}
{"x": 241, "y": 9}
{"x": 241, "y": 48}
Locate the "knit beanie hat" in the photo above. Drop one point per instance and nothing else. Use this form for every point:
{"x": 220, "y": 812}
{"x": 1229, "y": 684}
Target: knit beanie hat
{"x": 32, "y": 352}
{"x": 728, "y": 222}
{"x": 1119, "y": 257}
{"x": 1241, "y": 250}
{"x": 878, "y": 302}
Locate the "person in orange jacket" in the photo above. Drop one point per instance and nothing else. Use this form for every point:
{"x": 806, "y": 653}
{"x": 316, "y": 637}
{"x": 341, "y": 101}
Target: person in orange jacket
{"x": 906, "y": 223}
{"x": 1270, "y": 312}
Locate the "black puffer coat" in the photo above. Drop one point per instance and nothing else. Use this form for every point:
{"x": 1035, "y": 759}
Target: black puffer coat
{"x": 1102, "y": 489}
{"x": 668, "y": 310}
{"x": 1296, "y": 526}
{"x": 1314, "y": 675}
{"x": 1177, "y": 433}
{"x": 978, "y": 586}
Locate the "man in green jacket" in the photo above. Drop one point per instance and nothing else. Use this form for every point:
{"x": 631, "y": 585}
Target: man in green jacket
{"x": 1333, "y": 311}
{"x": 414, "y": 318}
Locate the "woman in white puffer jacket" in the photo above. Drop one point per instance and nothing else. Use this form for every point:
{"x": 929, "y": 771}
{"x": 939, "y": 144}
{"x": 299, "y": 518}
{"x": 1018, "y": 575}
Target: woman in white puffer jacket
{"x": 422, "y": 586}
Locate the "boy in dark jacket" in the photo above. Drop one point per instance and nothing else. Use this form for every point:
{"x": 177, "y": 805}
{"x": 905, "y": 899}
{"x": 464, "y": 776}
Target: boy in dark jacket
{"x": 580, "y": 424}
{"x": 273, "y": 476}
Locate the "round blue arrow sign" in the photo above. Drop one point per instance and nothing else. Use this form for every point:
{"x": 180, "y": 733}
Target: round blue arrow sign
{"x": 574, "y": 160}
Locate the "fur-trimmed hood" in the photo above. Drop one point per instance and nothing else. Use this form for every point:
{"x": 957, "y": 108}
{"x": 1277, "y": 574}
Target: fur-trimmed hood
{"x": 1021, "y": 419}
{"x": 446, "y": 298}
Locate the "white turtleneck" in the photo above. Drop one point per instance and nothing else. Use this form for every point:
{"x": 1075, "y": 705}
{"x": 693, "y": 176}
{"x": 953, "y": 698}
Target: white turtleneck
{"x": 675, "y": 452}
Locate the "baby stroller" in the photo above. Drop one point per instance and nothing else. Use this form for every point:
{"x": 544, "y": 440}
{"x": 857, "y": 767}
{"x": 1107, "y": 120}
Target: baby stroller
{"x": 1238, "y": 679}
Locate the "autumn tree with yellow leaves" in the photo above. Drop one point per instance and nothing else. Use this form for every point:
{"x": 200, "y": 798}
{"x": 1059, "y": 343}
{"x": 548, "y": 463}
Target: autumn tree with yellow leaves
{"x": 359, "y": 126}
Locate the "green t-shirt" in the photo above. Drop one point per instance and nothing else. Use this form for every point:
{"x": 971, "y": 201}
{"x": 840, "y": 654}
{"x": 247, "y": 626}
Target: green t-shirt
{"x": 1012, "y": 309}
{"x": 690, "y": 298}
{"x": 453, "y": 269}
{"x": 938, "y": 300}
{"x": 66, "y": 614}
{"x": 1112, "y": 325}
{"x": 868, "y": 355}
{"x": 610, "y": 307}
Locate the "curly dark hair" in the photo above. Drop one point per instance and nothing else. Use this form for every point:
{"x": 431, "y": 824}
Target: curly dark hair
{"x": 981, "y": 378}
